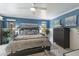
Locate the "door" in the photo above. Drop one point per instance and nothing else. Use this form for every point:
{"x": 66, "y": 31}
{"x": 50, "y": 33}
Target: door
{"x": 11, "y": 26}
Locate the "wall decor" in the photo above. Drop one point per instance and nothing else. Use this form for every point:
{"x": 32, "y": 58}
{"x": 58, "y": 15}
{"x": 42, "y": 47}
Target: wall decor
{"x": 57, "y": 23}
{"x": 70, "y": 21}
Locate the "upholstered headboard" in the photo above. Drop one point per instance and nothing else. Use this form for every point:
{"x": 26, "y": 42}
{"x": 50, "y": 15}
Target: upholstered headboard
{"x": 28, "y": 29}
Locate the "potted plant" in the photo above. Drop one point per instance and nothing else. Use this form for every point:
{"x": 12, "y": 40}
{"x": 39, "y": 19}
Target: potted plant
{"x": 47, "y": 31}
{"x": 6, "y": 36}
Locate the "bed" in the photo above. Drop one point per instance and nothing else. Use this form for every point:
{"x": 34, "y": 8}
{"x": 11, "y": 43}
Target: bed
{"x": 28, "y": 41}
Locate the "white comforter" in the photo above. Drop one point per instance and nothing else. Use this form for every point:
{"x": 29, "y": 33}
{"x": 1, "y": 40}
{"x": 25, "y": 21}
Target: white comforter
{"x": 24, "y": 37}
{"x": 33, "y": 41}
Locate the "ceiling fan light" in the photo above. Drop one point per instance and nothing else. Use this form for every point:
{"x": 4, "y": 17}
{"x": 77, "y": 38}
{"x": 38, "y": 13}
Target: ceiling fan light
{"x": 33, "y": 9}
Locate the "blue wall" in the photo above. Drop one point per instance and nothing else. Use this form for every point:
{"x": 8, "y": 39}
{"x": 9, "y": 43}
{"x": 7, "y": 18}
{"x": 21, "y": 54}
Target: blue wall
{"x": 24, "y": 20}
{"x": 62, "y": 17}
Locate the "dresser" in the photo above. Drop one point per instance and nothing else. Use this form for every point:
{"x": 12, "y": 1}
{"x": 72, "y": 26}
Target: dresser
{"x": 1, "y": 32}
{"x": 61, "y": 36}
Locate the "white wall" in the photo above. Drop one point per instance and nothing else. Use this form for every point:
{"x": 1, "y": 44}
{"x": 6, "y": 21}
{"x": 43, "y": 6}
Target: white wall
{"x": 74, "y": 38}
{"x": 51, "y": 35}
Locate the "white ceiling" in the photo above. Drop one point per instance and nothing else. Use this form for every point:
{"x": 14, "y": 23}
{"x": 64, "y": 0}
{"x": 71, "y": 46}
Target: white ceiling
{"x": 22, "y": 10}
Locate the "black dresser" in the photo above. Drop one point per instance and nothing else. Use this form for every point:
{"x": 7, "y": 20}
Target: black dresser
{"x": 1, "y": 32}
{"x": 61, "y": 36}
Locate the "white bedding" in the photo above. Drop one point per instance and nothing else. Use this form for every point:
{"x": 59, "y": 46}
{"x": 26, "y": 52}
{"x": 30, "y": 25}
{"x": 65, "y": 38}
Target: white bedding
{"x": 33, "y": 41}
{"x": 21, "y": 37}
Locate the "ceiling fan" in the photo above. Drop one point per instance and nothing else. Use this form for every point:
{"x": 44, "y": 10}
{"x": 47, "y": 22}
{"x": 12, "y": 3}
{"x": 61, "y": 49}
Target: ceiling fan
{"x": 38, "y": 10}
{"x": 35, "y": 7}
